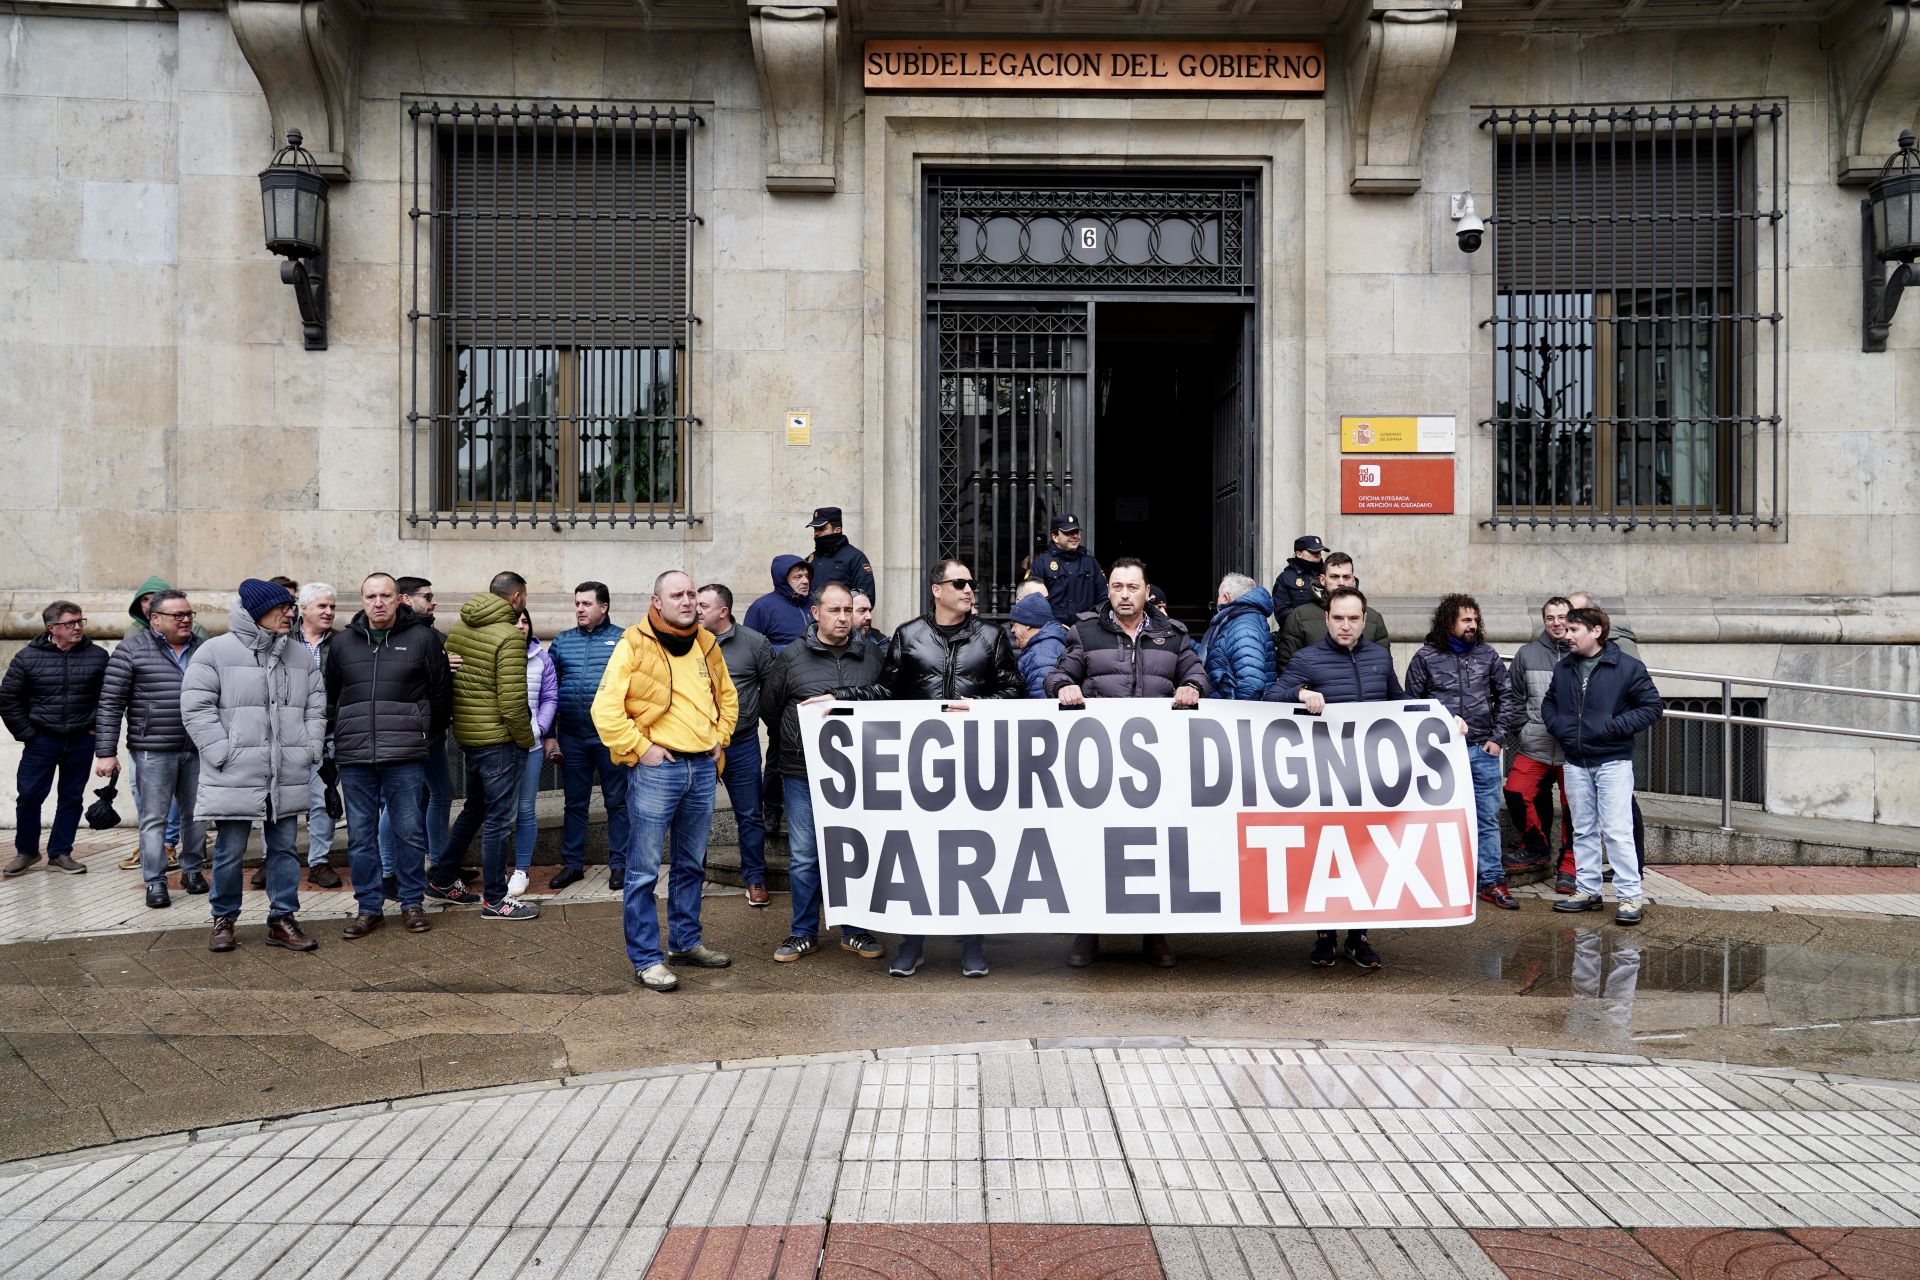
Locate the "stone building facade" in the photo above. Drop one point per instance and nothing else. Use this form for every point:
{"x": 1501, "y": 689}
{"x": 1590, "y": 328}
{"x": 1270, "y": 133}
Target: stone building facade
{"x": 162, "y": 413}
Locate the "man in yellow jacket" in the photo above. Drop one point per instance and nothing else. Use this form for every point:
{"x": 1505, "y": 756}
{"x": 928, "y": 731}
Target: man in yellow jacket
{"x": 665, "y": 711}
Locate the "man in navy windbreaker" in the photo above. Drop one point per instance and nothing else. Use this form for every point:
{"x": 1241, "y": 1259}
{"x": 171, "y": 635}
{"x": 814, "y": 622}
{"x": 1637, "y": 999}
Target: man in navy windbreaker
{"x": 1600, "y": 699}
{"x": 1238, "y": 647}
{"x": 782, "y": 616}
{"x": 580, "y": 656}
{"x": 1344, "y": 666}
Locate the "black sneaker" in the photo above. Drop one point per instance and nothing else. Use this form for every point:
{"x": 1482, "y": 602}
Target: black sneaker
{"x": 509, "y": 909}
{"x": 795, "y": 947}
{"x": 1361, "y": 952}
{"x": 973, "y": 958}
{"x": 862, "y": 944}
{"x": 455, "y": 893}
{"x": 1324, "y": 951}
{"x": 617, "y": 880}
{"x": 906, "y": 961}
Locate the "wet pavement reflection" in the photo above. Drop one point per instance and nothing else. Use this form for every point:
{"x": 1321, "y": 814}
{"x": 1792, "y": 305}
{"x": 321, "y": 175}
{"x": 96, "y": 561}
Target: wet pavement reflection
{"x": 1618, "y": 983}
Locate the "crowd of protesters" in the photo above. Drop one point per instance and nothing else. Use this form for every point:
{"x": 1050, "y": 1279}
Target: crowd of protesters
{"x": 285, "y": 716}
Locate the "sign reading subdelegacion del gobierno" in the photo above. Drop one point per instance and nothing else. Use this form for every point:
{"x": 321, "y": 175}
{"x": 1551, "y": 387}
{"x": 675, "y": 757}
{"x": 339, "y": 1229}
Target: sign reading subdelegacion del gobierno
{"x": 1095, "y": 66}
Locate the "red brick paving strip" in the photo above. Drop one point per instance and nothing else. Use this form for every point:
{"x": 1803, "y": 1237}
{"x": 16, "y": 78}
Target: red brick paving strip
{"x": 1866, "y": 1253}
{"x": 876, "y": 1251}
{"x": 1821, "y": 881}
{"x": 738, "y": 1253}
{"x": 1598, "y": 1254}
{"x": 1734, "y": 1255}
{"x": 1073, "y": 1253}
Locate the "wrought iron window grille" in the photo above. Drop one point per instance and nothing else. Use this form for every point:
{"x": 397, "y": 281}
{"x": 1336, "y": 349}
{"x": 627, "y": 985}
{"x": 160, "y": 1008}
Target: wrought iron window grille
{"x": 551, "y": 314}
{"x": 1637, "y": 316}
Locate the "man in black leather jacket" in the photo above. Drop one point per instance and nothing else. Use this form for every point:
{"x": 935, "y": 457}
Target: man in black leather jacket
{"x": 947, "y": 653}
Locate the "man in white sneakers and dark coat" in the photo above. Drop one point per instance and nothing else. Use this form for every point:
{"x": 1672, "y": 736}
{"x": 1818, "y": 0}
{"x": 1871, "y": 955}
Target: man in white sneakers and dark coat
{"x": 256, "y": 709}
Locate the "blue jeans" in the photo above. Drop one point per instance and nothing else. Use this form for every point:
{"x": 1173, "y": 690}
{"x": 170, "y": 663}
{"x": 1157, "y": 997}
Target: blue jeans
{"x": 493, "y": 800}
{"x": 583, "y": 756}
{"x": 803, "y": 859}
{"x": 526, "y": 828}
{"x": 1486, "y": 800}
{"x": 133, "y": 789}
{"x": 1602, "y": 802}
{"x": 675, "y": 797}
{"x": 437, "y": 802}
{"x": 742, "y": 779}
{"x": 383, "y": 797}
{"x": 319, "y": 825}
{"x": 283, "y": 865}
{"x": 43, "y": 757}
{"x": 169, "y": 776}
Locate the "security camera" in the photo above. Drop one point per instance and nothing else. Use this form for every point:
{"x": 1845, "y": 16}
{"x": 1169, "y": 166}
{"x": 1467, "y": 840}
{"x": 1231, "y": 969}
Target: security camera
{"x": 1471, "y": 230}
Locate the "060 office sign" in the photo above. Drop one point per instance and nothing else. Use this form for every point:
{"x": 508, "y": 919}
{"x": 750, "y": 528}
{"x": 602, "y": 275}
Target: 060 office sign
{"x": 1396, "y": 486}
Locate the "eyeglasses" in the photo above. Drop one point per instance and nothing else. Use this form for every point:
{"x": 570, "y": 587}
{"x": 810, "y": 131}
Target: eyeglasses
{"x": 959, "y": 584}
{"x": 187, "y": 615}
{"x": 72, "y": 622}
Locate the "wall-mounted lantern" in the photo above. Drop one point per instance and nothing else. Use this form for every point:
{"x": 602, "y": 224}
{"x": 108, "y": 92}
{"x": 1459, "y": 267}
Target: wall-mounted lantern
{"x": 293, "y": 205}
{"x": 1889, "y": 233}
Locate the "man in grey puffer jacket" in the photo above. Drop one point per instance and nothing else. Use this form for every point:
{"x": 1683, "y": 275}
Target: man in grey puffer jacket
{"x": 256, "y": 708}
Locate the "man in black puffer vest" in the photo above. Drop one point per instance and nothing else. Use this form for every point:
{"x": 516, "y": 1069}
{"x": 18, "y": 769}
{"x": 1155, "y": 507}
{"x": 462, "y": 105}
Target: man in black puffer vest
{"x": 1127, "y": 650}
{"x": 946, "y": 653}
{"x": 389, "y": 696}
{"x": 48, "y": 701}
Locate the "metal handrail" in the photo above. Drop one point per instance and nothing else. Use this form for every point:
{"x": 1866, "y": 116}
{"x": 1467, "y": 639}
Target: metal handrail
{"x": 1727, "y": 719}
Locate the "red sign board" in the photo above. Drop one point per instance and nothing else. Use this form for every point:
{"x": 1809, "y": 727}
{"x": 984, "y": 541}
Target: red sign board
{"x": 1396, "y": 486}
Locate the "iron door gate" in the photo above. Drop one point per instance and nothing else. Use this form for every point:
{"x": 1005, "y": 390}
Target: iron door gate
{"x": 1012, "y": 444}
{"x": 1233, "y": 460}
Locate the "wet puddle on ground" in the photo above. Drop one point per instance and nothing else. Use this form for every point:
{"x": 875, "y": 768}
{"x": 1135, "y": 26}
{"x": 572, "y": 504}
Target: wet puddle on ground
{"x": 1620, "y": 984}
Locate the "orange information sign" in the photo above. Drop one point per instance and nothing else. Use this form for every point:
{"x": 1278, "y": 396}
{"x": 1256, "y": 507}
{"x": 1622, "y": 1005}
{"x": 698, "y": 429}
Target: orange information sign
{"x": 1396, "y": 486}
{"x": 1095, "y": 66}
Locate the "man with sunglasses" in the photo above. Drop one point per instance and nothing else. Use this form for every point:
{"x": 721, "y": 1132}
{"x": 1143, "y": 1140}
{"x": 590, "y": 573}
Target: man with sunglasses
{"x": 48, "y": 700}
{"x": 142, "y": 685}
{"x": 950, "y": 654}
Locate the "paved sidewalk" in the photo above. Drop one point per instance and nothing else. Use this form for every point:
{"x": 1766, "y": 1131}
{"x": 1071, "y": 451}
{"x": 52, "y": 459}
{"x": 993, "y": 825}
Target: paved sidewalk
{"x": 1181, "y": 1158}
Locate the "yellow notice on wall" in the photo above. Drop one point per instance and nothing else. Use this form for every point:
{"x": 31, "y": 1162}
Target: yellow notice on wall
{"x": 799, "y": 426}
{"x": 1390, "y": 434}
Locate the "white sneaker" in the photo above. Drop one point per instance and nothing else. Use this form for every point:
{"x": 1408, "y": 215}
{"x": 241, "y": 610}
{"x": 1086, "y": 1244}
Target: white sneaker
{"x": 516, "y": 884}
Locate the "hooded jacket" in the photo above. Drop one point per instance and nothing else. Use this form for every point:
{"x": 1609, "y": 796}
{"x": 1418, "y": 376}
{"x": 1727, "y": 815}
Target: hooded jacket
{"x": 1108, "y": 663}
{"x": 1473, "y": 685}
{"x": 1041, "y": 656}
{"x": 1363, "y": 673}
{"x": 1595, "y": 719}
{"x": 1529, "y": 674}
{"x": 386, "y": 702}
{"x": 490, "y": 688}
{"x": 543, "y": 689}
{"x": 142, "y": 686}
{"x": 805, "y": 668}
{"x": 1238, "y": 648}
{"x": 139, "y": 623}
{"x": 52, "y": 690}
{"x": 257, "y": 711}
{"x": 834, "y": 559}
{"x": 780, "y": 615}
{"x": 749, "y": 658}
{"x": 637, "y": 688}
{"x": 1307, "y": 624}
{"x": 1073, "y": 580}
{"x": 580, "y": 658}
{"x": 922, "y": 661}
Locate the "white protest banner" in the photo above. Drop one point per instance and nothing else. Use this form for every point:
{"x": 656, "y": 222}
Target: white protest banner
{"x": 1131, "y": 817}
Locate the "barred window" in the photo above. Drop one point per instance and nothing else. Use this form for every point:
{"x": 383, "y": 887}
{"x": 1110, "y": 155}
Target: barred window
{"x": 551, "y": 314}
{"x": 1636, "y": 316}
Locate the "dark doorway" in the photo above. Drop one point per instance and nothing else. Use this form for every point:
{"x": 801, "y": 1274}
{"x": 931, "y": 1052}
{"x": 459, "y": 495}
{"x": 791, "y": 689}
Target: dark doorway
{"x": 1169, "y": 442}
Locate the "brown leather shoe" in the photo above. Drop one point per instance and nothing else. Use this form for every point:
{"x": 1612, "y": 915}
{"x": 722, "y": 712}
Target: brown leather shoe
{"x": 362, "y": 925}
{"x": 756, "y": 895}
{"x": 323, "y": 876}
{"x": 222, "y": 937}
{"x": 1085, "y": 947}
{"x": 1158, "y": 954}
{"x": 415, "y": 919}
{"x": 285, "y": 932}
{"x": 258, "y": 879}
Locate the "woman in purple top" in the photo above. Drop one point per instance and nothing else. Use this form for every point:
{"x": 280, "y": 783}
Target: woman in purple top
{"x": 543, "y": 701}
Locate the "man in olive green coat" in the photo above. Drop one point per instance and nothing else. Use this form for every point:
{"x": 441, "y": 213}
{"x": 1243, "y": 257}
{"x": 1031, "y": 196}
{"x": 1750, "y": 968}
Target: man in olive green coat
{"x": 495, "y": 731}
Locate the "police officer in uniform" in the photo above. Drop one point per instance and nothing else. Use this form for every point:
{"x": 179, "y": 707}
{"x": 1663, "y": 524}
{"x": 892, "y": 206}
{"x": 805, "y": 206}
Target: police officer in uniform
{"x": 1069, "y": 572}
{"x": 834, "y": 559}
{"x": 1299, "y": 582}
